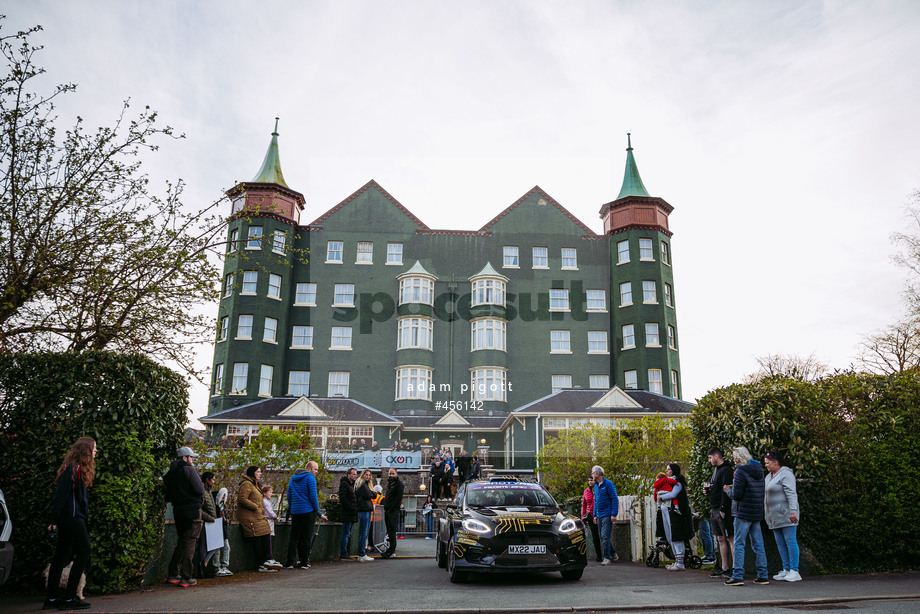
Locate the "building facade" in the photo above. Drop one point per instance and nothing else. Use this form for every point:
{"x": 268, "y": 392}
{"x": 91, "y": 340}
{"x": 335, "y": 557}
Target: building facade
{"x": 446, "y": 331}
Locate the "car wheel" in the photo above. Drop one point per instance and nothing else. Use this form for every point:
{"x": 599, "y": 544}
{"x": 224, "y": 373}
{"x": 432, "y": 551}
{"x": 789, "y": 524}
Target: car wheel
{"x": 456, "y": 576}
{"x": 440, "y": 555}
{"x": 572, "y": 574}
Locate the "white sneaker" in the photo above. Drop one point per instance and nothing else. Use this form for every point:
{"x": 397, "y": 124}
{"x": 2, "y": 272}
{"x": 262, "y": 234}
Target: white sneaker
{"x": 605, "y": 562}
{"x": 224, "y": 572}
{"x": 427, "y": 538}
{"x": 365, "y": 559}
{"x": 273, "y": 564}
{"x": 793, "y": 576}
{"x": 781, "y": 575}
{"x": 264, "y": 569}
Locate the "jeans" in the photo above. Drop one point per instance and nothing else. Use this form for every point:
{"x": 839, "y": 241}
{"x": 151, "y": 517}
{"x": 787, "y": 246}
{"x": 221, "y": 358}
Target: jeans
{"x": 72, "y": 544}
{"x": 181, "y": 562}
{"x": 364, "y": 525}
{"x": 222, "y": 558}
{"x": 788, "y": 547}
{"x": 607, "y": 537}
{"x": 744, "y": 529}
{"x": 707, "y": 539}
{"x": 346, "y": 534}
{"x": 301, "y": 541}
{"x": 429, "y": 523}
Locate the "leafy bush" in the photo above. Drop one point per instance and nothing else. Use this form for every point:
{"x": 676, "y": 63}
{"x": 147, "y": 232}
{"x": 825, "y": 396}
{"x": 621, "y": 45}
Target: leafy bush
{"x": 136, "y": 412}
{"x": 851, "y": 440}
{"x": 631, "y": 455}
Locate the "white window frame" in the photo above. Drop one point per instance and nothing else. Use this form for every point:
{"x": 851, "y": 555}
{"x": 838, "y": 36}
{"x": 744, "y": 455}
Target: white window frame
{"x": 414, "y": 333}
{"x": 274, "y": 286}
{"x": 333, "y": 249}
{"x": 279, "y": 241}
{"x": 560, "y": 382}
{"x": 655, "y": 383}
{"x": 394, "y": 253}
{"x": 266, "y": 374}
{"x": 364, "y": 252}
{"x": 646, "y": 250}
{"x": 511, "y": 257}
{"x": 649, "y": 292}
{"x": 489, "y": 377}
{"x": 488, "y": 334}
{"x": 570, "y": 255}
{"x": 665, "y": 253}
{"x": 343, "y": 295}
{"x": 340, "y": 338}
{"x": 240, "y": 326}
{"x": 631, "y": 380}
{"x": 596, "y": 300}
{"x": 240, "y": 375}
{"x": 419, "y": 378}
{"x": 228, "y": 285}
{"x": 223, "y": 330}
{"x": 417, "y": 290}
{"x": 560, "y": 342}
{"x": 270, "y": 330}
{"x": 623, "y": 252}
{"x": 254, "y": 238}
{"x": 251, "y": 281}
{"x": 540, "y": 257}
{"x": 307, "y": 291}
{"x": 652, "y": 334}
{"x": 558, "y": 299}
{"x": 629, "y": 336}
{"x": 339, "y": 382}
{"x": 596, "y": 383}
{"x": 675, "y": 381}
{"x": 668, "y": 296}
{"x": 295, "y": 388}
{"x": 672, "y": 338}
{"x": 488, "y": 291}
{"x": 232, "y": 240}
{"x": 306, "y": 334}
{"x": 218, "y": 385}
{"x": 626, "y": 294}
{"x": 597, "y": 342}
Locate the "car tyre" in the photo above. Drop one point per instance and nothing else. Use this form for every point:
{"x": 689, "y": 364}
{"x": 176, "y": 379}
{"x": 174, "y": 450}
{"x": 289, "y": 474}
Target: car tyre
{"x": 456, "y": 576}
{"x": 573, "y": 575}
{"x": 440, "y": 555}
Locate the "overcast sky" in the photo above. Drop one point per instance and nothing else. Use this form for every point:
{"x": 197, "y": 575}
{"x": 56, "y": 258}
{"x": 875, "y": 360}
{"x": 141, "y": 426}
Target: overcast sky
{"x": 784, "y": 133}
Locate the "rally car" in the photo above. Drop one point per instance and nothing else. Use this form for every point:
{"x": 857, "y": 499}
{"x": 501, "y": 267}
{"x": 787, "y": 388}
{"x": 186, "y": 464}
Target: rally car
{"x": 507, "y": 525}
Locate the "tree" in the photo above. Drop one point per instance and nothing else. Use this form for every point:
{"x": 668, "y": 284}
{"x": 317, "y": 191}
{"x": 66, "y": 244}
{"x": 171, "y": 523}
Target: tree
{"x": 92, "y": 259}
{"x": 791, "y": 366}
{"x": 910, "y": 257}
{"x": 895, "y": 349}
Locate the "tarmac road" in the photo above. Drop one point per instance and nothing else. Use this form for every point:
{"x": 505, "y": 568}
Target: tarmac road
{"x": 412, "y": 582}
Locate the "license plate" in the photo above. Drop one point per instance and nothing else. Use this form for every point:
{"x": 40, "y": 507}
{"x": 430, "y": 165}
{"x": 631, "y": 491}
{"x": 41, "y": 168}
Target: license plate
{"x": 527, "y": 549}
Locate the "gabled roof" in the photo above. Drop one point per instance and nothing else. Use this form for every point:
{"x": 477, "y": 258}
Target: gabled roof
{"x": 303, "y": 409}
{"x": 367, "y": 186}
{"x": 452, "y": 418}
{"x": 549, "y": 200}
{"x": 615, "y": 397}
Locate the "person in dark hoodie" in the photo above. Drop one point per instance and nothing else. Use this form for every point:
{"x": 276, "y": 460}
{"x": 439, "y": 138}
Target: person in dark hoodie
{"x": 348, "y": 508}
{"x": 69, "y": 510}
{"x": 747, "y": 494}
{"x": 184, "y": 490}
{"x": 392, "y": 501}
{"x": 303, "y": 502}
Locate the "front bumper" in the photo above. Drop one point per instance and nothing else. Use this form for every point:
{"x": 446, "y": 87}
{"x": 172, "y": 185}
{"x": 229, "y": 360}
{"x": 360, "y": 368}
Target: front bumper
{"x": 490, "y": 554}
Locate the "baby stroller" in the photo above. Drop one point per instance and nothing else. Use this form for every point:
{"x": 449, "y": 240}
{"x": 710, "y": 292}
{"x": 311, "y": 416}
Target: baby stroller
{"x": 663, "y": 547}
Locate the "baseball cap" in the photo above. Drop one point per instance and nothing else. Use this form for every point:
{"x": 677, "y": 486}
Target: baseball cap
{"x": 185, "y": 451}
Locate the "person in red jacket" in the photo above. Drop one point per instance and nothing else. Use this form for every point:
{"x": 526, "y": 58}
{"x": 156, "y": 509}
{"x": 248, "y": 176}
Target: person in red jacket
{"x": 587, "y": 516}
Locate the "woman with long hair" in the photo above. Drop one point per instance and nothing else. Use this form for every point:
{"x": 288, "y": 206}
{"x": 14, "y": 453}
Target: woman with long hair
{"x": 364, "y": 498}
{"x": 69, "y": 510}
{"x": 250, "y": 513}
{"x": 781, "y": 511}
{"x": 676, "y": 517}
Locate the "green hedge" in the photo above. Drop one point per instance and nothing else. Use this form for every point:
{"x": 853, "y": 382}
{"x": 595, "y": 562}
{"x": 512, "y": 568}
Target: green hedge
{"x": 136, "y": 411}
{"x": 851, "y": 440}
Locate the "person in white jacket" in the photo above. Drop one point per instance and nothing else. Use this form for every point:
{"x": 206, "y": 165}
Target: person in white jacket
{"x": 781, "y": 511}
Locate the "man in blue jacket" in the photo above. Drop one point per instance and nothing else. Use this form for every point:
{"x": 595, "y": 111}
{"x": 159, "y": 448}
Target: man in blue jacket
{"x": 747, "y": 493}
{"x": 606, "y": 508}
{"x": 304, "y": 505}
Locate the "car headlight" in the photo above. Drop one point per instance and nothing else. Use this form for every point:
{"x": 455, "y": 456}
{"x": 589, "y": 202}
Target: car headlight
{"x": 568, "y": 525}
{"x": 475, "y": 526}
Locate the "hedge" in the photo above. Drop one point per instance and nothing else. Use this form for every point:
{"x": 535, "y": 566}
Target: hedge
{"x": 136, "y": 411}
{"x": 851, "y": 440}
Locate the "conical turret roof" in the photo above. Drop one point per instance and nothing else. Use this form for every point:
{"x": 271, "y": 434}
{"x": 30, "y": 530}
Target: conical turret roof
{"x": 271, "y": 165}
{"x": 632, "y": 182}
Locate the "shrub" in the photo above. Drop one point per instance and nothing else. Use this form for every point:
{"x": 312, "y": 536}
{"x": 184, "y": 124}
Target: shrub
{"x": 136, "y": 412}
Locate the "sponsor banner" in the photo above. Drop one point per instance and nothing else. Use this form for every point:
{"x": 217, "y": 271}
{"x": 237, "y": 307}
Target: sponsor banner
{"x": 342, "y": 461}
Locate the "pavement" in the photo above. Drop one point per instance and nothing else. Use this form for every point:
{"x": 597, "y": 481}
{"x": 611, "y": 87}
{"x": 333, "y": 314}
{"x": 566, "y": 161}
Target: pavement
{"x": 412, "y": 582}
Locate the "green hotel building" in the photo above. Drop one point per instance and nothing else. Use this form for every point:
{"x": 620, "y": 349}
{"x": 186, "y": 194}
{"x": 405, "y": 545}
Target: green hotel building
{"x": 365, "y": 323}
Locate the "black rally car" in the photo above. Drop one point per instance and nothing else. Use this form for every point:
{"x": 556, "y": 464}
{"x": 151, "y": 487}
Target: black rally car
{"x": 504, "y": 525}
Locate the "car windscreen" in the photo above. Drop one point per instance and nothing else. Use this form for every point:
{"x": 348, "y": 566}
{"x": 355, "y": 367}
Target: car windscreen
{"x": 501, "y": 495}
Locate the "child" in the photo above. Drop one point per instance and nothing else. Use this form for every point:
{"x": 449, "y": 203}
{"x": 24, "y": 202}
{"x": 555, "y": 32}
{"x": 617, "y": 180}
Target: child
{"x": 271, "y": 517}
{"x": 222, "y": 558}
{"x": 662, "y": 484}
